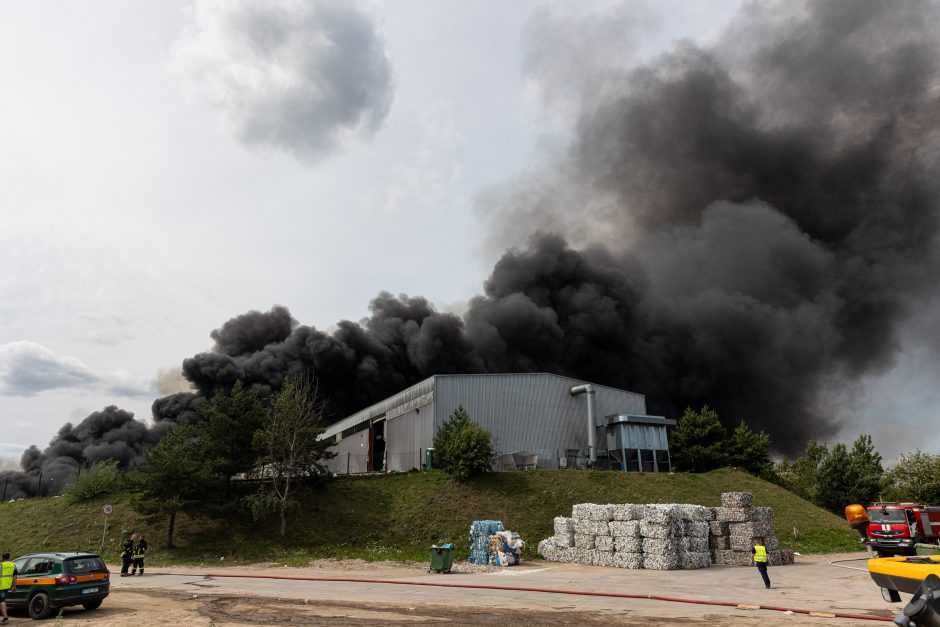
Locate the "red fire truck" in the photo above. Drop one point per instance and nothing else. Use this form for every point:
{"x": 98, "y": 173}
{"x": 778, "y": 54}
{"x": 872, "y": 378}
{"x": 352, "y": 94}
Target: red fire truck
{"x": 894, "y": 528}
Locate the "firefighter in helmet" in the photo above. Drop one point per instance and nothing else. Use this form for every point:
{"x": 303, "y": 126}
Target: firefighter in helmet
{"x": 140, "y": 551}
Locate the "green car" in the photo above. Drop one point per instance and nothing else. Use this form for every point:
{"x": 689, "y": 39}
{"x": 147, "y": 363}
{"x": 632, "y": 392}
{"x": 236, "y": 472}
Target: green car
{"x": 48, "y": 581}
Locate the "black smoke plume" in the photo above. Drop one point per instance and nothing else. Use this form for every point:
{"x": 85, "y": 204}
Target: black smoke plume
{"x": 111, "y": 433}
{"x": 748, "y": 224}
{"x": 765, "y": 218}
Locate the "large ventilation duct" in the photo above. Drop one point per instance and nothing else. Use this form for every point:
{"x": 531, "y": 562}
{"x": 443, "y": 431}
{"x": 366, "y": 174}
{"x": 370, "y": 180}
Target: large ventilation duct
{"x": 588, "y": 391}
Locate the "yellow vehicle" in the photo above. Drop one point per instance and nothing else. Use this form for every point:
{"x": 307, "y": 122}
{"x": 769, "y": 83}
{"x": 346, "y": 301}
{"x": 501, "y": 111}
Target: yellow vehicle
{"x": 902, "y": 574}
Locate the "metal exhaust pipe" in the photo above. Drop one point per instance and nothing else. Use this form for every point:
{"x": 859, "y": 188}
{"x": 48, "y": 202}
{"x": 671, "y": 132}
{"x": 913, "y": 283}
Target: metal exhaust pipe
{"x": 588, "y": 391}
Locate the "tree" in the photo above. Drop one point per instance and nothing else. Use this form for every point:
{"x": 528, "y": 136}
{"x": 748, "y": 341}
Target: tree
{"x": 749, "y": 450}
{"x": 699, "y": 441}
{"x": 864, "y": 472}
{"x": 799, "y": 476}
{"x": 462, "y": 447}
{"x": 176, "y": 477}
{"x": 915, "y": 478}
{"x": 290, "y": 451}
{"x": 230, "y": 421}
{"x": 833, "y": 481}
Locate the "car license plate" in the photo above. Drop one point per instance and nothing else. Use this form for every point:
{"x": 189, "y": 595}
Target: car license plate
{"x": 89, "y": 590}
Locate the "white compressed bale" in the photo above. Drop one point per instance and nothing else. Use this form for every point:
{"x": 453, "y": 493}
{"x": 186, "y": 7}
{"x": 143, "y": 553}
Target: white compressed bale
{"x": 581, "y": 511}
{"x": 584, "y": 541}
{"x": 628, "y": 560}
{"x": 564, "y": 525}
{"x": 698, "y": 544}
{"x": 624, "y": 528}
{"x": 603, "y": 558}
{"x": 628, "y": 511}
{"x": 662, "y": 513}
{"x": 592, "y": 527}
{"x": 762, "y": 519}
{"x": 741, "y": 543}
{"x": 660, "y": 561}
{"x": 660, "y": 545}
{"x": 584, "y": 556}
{"x": 719, "y": 543}
{"x": 743, "y": 529}
{"x": 651, "y": 529}
{"x": 733, "y": 558}
{"x": 700, "y": 528}
{"x": 787, "y": 556}
{"x": 737, "y": 499}
{"x": 771, "y": 543}
{"x": 709, "y": 513}
{"x": 603, "y": 543}
{"x": 694, "y": 560}
{"x": 600, "y": 513}
{"x": 732, "y": 514}
{"x": 546, "y": 549}
{"x": 718, "y": 528}
{"x": 693, "y": 512}
{"x": 563, "y": 539}
{"x": 628, "y": 545}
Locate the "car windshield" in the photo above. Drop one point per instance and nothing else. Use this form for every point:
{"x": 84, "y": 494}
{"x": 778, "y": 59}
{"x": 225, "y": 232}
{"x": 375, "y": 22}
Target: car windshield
{"x": 886, "y": 516}
{"x": 88, "y": 564}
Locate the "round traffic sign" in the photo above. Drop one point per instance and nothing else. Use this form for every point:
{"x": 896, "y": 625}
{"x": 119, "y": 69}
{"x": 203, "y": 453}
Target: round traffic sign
{"x": 107, "y": 509}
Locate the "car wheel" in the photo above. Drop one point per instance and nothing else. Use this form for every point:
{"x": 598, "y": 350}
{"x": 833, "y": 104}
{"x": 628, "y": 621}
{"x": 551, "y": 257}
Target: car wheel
{"x": 39, "y": 606}
{"x": 92, "y": 605}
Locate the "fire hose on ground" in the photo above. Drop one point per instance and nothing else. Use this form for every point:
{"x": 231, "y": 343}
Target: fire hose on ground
{"x": 616, "y": 595}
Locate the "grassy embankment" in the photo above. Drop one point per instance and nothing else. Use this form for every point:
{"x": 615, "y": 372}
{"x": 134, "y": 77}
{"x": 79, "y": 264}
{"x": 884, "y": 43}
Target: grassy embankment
{"x": 398, "y": 516}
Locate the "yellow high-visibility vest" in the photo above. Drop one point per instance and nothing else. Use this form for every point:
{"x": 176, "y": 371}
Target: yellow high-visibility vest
{"x": 6, "y": 575}
{"x": 760, "y": 553}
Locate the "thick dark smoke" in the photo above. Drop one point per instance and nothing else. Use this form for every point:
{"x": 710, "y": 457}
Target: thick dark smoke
{"x": 111, "y": 433}
{"x": 767, "y": 208}
{"x": 749, "y": 225}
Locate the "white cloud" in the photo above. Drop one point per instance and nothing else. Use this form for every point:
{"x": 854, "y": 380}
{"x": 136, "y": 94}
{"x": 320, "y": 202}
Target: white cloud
{"x": 300, "y": 76}
{"x": 28, "y": 368}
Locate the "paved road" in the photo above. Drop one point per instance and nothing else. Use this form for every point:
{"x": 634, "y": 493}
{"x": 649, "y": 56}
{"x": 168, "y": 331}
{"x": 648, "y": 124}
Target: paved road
{"x": 810, "y": 584}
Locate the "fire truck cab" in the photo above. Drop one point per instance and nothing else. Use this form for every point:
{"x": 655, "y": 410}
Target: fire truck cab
{"x": 894, "y": 528}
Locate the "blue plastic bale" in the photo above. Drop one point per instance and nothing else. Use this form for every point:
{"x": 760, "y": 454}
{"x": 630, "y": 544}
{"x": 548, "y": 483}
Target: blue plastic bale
{"x": 480, "y": 532}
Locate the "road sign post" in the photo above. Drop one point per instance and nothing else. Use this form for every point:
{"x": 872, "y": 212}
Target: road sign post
{"x": 107, "y": 510}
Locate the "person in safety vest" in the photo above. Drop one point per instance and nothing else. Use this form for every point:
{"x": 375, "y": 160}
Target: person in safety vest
{"x": 140, "y": 551}
{"x": 127, "y": 554}
{"x": 7, "y": 584}
{"x": 760, "y": 559}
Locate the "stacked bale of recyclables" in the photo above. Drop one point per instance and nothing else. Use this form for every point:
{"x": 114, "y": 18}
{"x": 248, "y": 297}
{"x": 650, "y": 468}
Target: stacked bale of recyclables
{"x": 491, "y": 543}
{"x": 661, "y": 537}
{"x": 734, "y": 526}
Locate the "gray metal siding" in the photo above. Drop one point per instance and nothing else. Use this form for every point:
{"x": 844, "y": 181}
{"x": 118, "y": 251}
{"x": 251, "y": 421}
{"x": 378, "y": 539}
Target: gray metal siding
{"x": 352, "y": 453}
{"x": 530, "y": 412}
{"x": 416, "y": 395}
{"x": 641, "y": 436}
{"x": 407, "y": 438}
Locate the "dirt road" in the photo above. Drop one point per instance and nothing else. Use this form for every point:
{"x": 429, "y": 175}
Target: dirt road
{"x": 184, "y": 596}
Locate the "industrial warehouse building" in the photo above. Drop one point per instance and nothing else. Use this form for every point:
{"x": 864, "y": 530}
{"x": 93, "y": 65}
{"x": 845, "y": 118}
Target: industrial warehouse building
{"x": 536, "y": 419}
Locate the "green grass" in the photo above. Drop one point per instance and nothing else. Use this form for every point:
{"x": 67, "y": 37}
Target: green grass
{"x": 396, "y": 517}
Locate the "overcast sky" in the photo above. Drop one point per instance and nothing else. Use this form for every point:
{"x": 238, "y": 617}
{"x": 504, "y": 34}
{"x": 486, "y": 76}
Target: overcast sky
{"x": 168, "y": 165}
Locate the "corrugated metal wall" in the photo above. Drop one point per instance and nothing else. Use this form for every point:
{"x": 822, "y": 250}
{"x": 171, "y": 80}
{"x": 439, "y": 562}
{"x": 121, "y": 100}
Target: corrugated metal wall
{"x": 530, "y": 412}
{"x": 408, "y": 436}
{"x": 639, "y": 436}
{"x": 352, "y": 454}
{"x": 524, "y": 412}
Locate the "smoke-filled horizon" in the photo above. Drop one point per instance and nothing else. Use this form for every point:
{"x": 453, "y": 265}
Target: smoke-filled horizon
{"x": 748, "y": 224}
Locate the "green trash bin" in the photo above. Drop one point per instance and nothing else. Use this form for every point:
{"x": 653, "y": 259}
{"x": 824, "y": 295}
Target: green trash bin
{"x": 927, "y": 549}
{"x": 429, "y": 458}
{"x": 442, "y": 558}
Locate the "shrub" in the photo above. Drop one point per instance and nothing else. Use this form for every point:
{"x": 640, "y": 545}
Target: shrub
{"x": 462, "y": 447}
{"x": 101, "y": 478}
